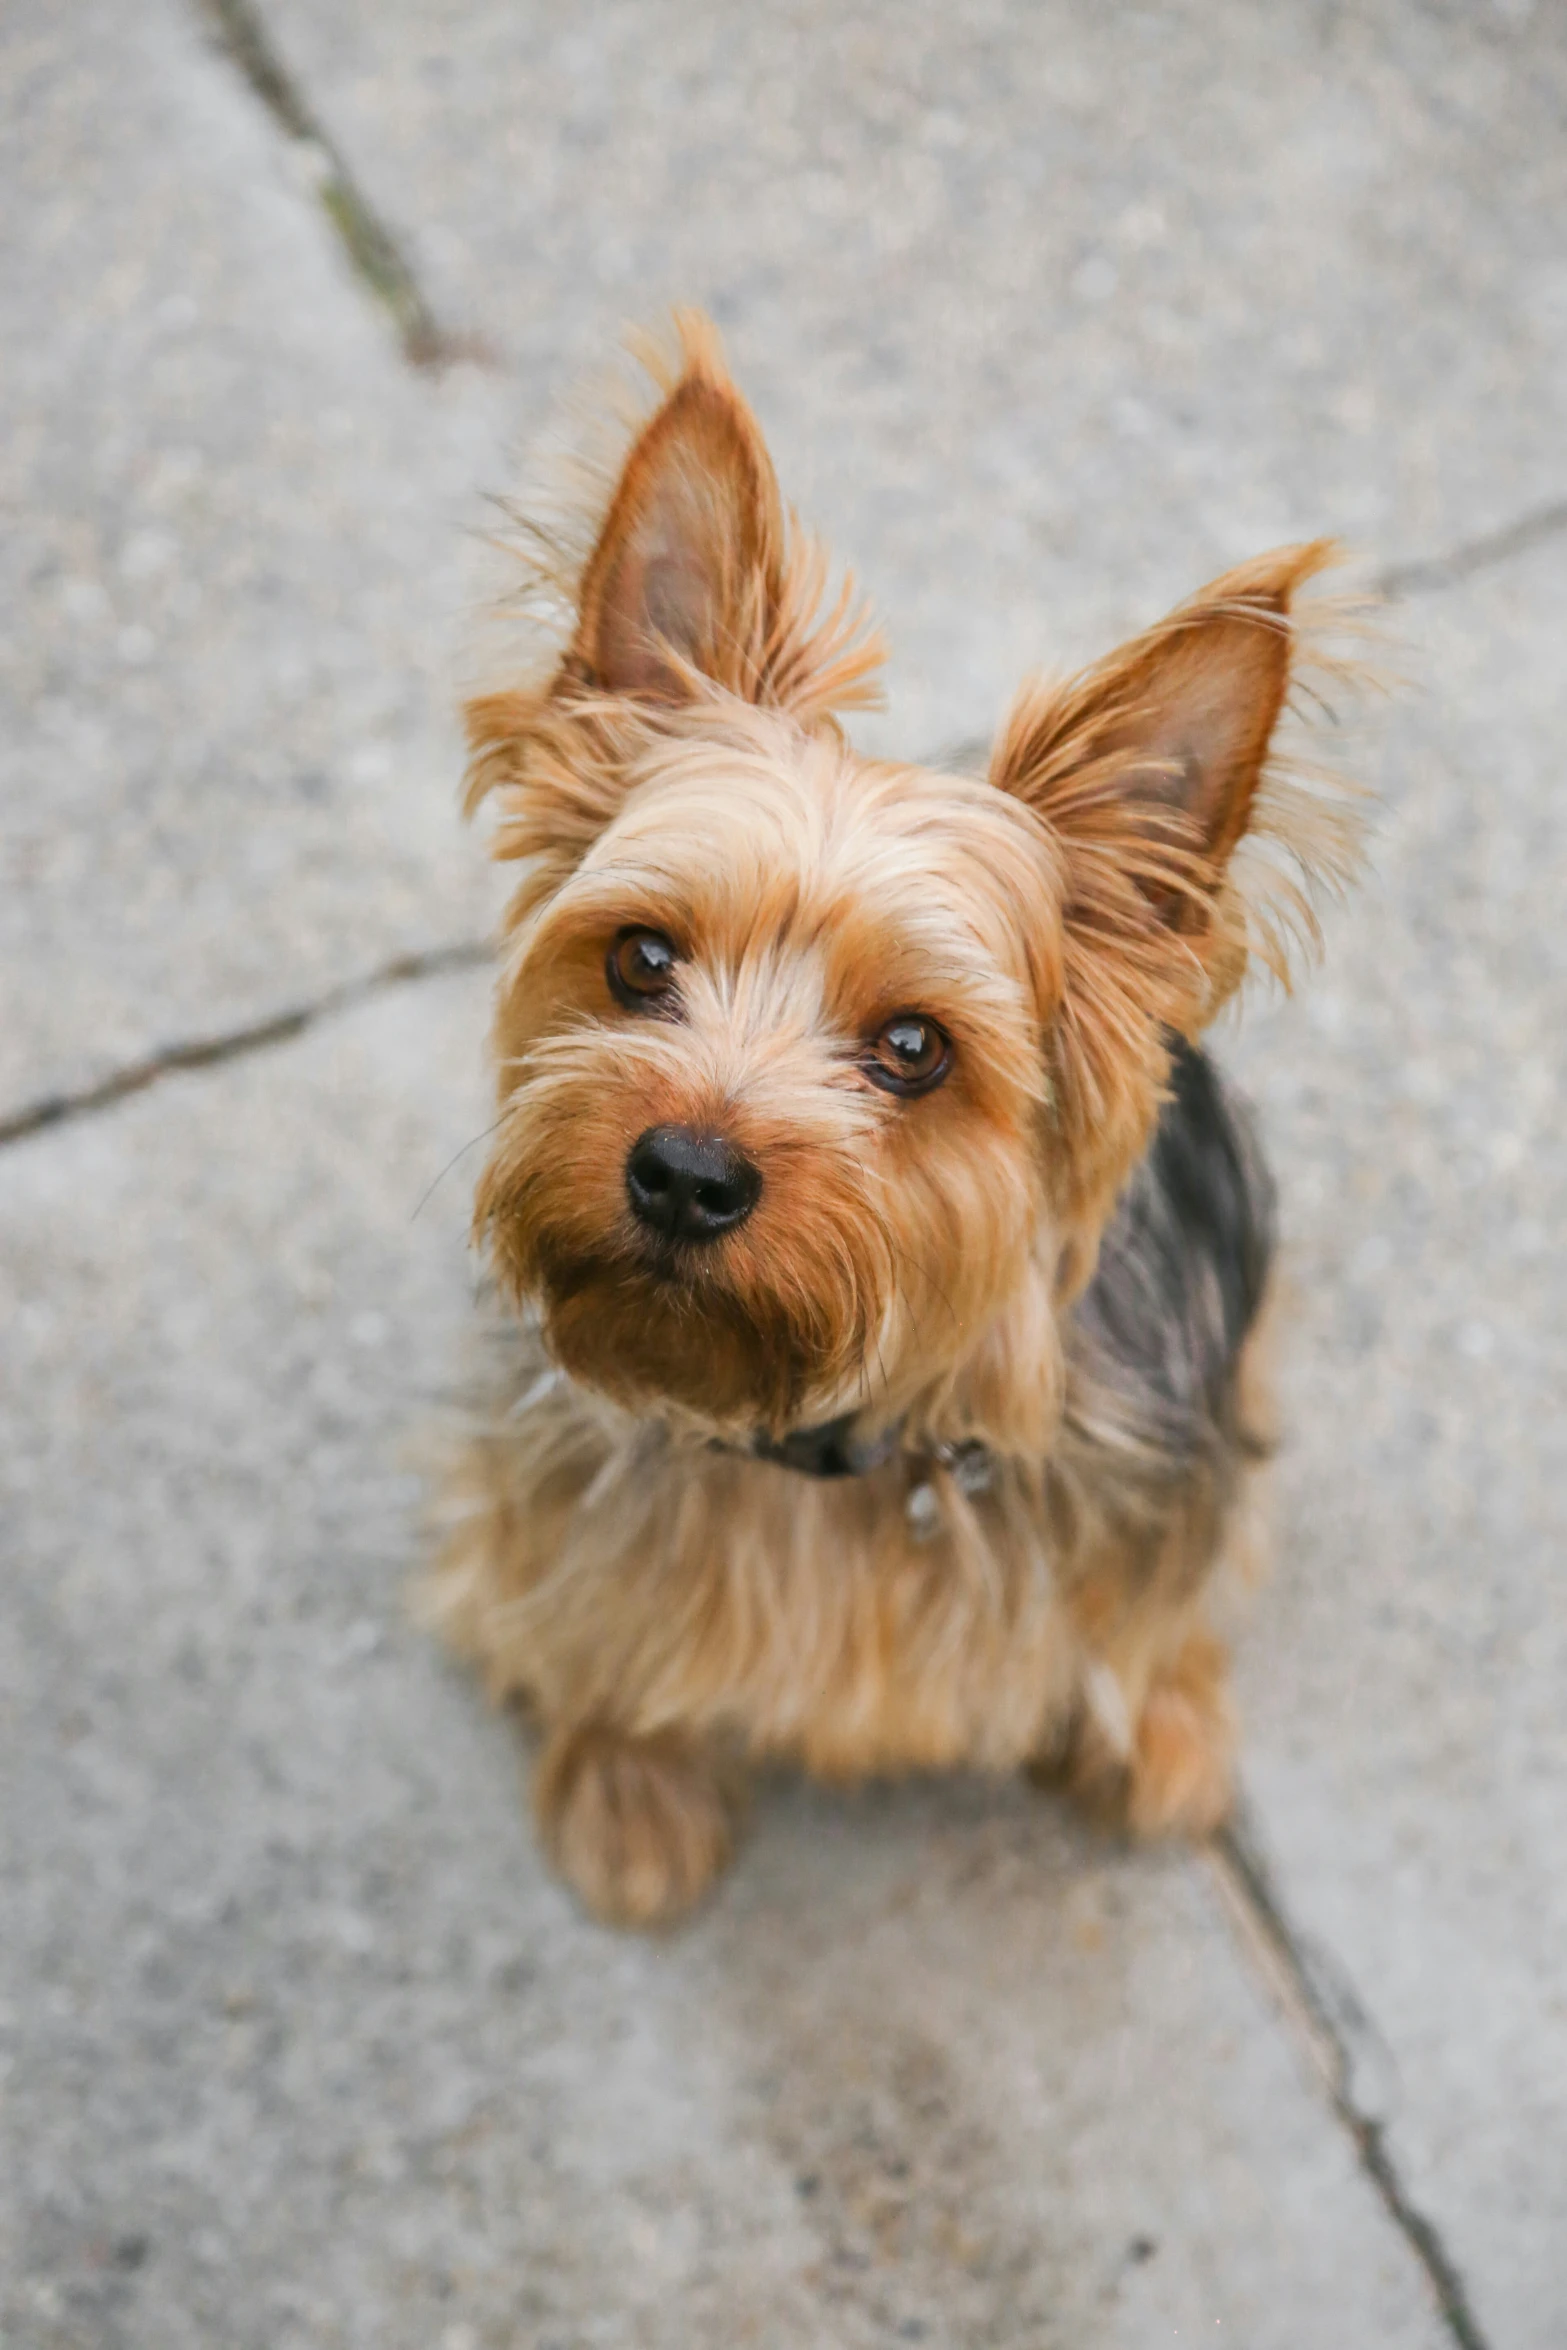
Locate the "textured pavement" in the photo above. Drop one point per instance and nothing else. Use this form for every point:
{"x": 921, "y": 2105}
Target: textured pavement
{"x": 1050, "y": 313}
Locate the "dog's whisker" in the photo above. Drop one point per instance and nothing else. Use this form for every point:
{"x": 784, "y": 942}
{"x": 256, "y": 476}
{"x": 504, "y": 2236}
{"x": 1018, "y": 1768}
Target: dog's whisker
{"x": 472, "y": 1144}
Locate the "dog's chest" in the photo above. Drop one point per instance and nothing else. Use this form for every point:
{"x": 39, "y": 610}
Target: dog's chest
{"x": 885, "y": 1622}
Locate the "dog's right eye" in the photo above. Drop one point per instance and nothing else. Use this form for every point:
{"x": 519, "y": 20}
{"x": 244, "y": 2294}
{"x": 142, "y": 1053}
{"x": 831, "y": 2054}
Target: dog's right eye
{"x": 911, "y": 1055}
{"x": 640, "y": 969}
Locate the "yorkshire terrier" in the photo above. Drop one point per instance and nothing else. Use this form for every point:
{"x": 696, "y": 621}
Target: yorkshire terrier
{"x": 886, "y": 1260}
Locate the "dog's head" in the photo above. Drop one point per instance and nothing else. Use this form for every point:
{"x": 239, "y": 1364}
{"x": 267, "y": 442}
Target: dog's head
{"x": 806, "y": 1060}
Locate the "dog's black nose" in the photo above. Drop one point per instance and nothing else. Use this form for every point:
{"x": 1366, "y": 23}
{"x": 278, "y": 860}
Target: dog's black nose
{"x": 689, "y": 1186}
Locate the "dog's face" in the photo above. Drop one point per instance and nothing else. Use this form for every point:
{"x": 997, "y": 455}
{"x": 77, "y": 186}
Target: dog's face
{"x": 805, "y": 1059}
{"x": 772, "y": 1135}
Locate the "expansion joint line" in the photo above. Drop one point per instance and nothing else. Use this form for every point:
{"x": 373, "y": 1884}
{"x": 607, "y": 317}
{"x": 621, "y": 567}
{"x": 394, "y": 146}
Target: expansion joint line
{"x": 373, "y": 251}
{"x": 1428, "y": 574}
{"x": 1324, "y": 2016}
{"x": 206, "y": 1052}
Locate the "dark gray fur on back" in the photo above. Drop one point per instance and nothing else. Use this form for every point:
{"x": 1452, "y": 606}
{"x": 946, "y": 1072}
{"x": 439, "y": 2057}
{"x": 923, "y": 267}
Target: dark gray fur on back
{"x": 1180, "y": 1278}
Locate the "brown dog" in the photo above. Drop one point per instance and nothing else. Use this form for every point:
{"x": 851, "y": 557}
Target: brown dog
{"x": 887, "y": 1256}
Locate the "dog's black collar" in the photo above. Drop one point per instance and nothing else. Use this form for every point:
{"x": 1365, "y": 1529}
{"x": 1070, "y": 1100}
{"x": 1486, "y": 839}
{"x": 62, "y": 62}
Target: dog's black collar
{"x": 831, "y": 1450}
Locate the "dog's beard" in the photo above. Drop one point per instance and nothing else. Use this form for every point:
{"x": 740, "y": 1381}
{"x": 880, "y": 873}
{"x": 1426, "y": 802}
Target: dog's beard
{"x": 666, "y": 1331}
{"x": 645, "y": 1337}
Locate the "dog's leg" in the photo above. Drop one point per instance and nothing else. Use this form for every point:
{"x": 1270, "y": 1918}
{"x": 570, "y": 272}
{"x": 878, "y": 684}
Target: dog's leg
{"x": 1154, "y": 1742}
{"x": 638, "y": 1827}
{"x": 1181, "y": 1774}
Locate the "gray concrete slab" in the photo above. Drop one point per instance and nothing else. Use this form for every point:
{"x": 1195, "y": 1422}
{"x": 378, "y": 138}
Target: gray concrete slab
{"x": 1051, "y": 312}
{"x": 302, "y": 2046}
{"x": 1405, "y": 1680}
{"x": 231, "y": 567}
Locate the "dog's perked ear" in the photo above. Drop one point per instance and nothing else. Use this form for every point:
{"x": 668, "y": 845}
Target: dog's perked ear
{"x": 698, "y": 578}
{"x": 1149, "y": 769}
{"x": 683, "y": 577}
{"x": 687, "y": 571}
{"x": 1155, "y": 754}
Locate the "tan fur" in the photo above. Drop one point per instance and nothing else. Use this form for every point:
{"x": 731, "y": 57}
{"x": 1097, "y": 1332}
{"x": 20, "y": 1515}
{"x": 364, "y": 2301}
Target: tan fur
{"x": 666, "y": 1605}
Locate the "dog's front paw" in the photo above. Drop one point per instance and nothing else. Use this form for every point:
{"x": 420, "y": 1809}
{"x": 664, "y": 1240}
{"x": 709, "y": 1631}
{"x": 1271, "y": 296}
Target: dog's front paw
{"x": 1182, "y": 1769}
{"x": 638, "y": 1827}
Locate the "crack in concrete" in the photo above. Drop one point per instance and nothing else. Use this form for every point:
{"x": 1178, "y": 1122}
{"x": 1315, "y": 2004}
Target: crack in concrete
{"x": 1328, "y": 2018}
{"x": 1426, "y": 575}
{"x": 233, "y": 1044}
{"x": 373, "y": 252}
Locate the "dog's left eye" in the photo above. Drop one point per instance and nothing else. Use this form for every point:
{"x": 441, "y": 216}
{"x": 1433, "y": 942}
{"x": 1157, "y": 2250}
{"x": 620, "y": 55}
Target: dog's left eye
{"x": 641, "y": 968}
{"x": 910, "y": 1055}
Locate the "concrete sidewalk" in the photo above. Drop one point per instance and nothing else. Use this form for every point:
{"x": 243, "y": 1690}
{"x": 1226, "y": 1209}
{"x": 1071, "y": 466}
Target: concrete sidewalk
{"x": 1050, "y": 313}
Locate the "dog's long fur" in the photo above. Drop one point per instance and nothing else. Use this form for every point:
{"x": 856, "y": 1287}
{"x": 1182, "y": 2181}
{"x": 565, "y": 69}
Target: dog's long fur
{"x": 1032, "y": 1294}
